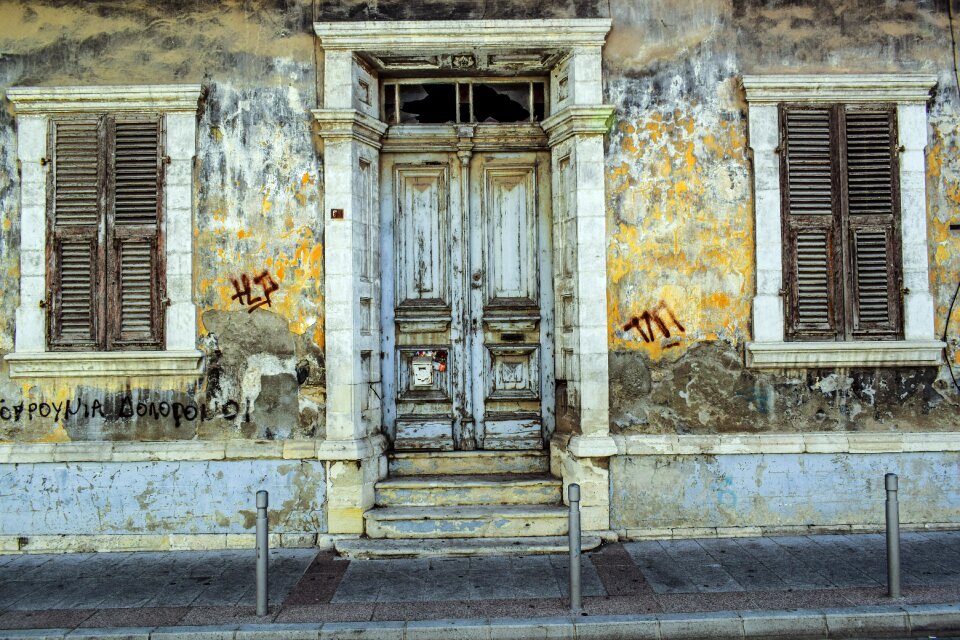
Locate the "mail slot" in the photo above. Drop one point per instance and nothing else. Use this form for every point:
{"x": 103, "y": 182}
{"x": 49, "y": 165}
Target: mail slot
{"x": 511, "y": 337}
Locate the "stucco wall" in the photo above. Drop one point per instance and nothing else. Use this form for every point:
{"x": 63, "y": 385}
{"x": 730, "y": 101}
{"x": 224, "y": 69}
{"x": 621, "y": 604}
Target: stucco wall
{"x": 654, "y": 495}
{"x": 255, "y": 210}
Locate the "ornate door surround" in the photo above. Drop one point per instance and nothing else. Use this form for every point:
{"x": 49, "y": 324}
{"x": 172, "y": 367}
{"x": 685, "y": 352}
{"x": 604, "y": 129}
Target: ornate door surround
{"x": 354, "y": 55}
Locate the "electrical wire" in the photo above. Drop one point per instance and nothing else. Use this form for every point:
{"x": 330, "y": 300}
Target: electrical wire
{"x": 946, "y": 325}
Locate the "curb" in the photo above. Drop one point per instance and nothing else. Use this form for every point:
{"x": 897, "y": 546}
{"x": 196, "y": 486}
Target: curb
{"x": 854, "y": 622}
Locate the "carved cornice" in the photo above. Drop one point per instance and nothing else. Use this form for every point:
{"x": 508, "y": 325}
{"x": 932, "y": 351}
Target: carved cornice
{"x": 455, "y": 35}
{"x": 450, "y": 137}
{"x": 578, "y": 120}
{"x": 900, "y": 88}
{"x": 350, "y": 124}
{"x": 878, "y": 353}
{"x": 154, "y": 97}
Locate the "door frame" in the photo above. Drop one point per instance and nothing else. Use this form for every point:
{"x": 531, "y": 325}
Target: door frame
{"x": 467, "y": 386}
{"x": 352, "y": 57}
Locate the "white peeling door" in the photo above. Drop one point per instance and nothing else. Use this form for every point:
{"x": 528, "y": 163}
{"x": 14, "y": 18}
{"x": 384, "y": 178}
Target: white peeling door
{"x": 468, "y": 301}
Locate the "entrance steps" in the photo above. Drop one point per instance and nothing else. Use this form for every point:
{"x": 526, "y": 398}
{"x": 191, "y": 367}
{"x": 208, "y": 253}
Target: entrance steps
{"x": 465, "y": 503}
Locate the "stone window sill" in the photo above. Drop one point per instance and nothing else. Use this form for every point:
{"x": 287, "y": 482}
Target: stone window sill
{"x": 804, "y": 355}
{"x": 84, "y": 364}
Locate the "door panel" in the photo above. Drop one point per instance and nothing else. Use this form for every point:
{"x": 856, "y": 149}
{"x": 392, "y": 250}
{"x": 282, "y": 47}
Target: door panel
{"x": 467, "y": 359}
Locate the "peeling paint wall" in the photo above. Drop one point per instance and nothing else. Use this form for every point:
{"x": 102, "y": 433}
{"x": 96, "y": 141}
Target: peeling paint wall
{"x": 779, "y": 492}
{"x": 680, "y": 213}
{"x": 256, "y": 209}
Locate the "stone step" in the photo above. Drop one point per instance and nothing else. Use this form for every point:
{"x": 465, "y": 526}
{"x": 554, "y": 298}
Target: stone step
{"x": 483, "y": 521}
{"x": 433, "y": 463}
{"x": 365, "y": 548}
{"x": 443, "y": 490}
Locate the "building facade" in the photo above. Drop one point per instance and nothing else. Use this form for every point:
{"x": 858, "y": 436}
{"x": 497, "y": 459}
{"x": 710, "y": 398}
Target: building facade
{"x": 416, "y": 268}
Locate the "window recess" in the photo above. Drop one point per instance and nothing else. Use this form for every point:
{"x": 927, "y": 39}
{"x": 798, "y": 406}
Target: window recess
{"x": 464, "y": 100}
{"x": 840, "y": 207}
{"x": 104, "y": 259}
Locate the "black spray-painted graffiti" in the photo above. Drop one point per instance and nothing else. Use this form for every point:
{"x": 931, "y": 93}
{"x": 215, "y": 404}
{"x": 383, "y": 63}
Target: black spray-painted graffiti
{"x": 651, "y": 318}
{"x": 244, "y": 294}
{"x": 125, "y": 409}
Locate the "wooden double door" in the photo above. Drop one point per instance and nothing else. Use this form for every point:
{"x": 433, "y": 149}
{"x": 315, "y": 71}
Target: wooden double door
{"x": 467, "y": 308}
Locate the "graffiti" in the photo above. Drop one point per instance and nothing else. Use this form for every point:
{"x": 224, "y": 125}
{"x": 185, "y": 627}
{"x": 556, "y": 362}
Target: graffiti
{"x": 245, "y": 294}
{"x": 179, "y": 412}
{"x": 651, "y": 319}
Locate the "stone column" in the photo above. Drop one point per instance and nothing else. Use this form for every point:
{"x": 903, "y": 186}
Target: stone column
{"x": 31, "y": 331}
{"x": 576, "y": 133}
{"x": 918, "y": 307}
{"x": 768, "y": 303}
{"x": 181, "y": 148}
{"x": 351, "y": 135}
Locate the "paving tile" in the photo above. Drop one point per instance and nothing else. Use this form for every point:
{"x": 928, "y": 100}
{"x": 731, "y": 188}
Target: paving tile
{"x": 227, "y": 615}
{"x": 317, "y": 585}
{"x": 692, "y": 602}
{"x": 15, "y": 591}
{"x": 154, "y": 617}
{"x": 590, "y": 583}
{"x": 345, "y": 612}
{"x": 825, "y": 561}
{"x": 49, "y": 619}
{"x": 793, "y": 571}
{"x": 746, "y": 570}
{"x": 621, "y": 605}
{"x": 622, "y": 579}
{"x": 798, "y": 599}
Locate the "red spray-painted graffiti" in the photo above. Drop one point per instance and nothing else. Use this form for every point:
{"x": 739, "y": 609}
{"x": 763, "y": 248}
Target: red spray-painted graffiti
{"x": 245, "y": 295}
{"x": 650, "y": 320}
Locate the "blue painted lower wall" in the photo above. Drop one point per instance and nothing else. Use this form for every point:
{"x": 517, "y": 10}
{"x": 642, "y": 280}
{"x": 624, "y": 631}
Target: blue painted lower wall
{"x": 780, "y": 490}
{"x": 189, "y": 497}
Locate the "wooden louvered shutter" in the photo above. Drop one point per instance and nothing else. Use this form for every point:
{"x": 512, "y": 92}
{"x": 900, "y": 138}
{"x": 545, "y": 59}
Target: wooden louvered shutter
{"x": 134, "y": 258}
{"x": 871, "y": 212}
{"x": 75, "y": 258}
{"x": 810, "y": 230}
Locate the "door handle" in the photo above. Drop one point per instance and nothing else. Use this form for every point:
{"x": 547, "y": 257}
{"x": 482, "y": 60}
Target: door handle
{"x": 477, "y": 279}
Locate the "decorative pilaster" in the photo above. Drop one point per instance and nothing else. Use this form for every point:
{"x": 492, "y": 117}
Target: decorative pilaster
{"x": 32, "y": 151}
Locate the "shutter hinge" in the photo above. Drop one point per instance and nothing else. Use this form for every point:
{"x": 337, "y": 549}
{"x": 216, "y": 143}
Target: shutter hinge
{"x": 165, "y": 301}
{"x": 782, "y": 292}
{"x": 778, "y": 149}
{"x": 166, "y": 160}
{"x": 905, "y": 291}
{"x": 44, "y": 162}
{"x": 44, "y": 302}
{"x": 901, "y": 149}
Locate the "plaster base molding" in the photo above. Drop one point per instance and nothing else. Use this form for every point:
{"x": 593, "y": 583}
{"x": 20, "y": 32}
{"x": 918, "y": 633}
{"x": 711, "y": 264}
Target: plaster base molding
{"x": 592, "y": 446}
{"x": 802, "y": 355}
{"x": 686, "y": 533}
{"x": 780, "y": 443}
{"x": 96, "y": 543}
{"x": 360, "y": 449}
{"x": 86, "y": 364}
{"x": 168, "y": 450}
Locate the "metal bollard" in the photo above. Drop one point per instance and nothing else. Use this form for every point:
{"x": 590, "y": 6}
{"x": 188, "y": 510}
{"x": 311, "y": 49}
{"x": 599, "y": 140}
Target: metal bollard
{"x": 893, "y": 536}
{"x": 576, "y": 602}
{"x": 263, "y": 553}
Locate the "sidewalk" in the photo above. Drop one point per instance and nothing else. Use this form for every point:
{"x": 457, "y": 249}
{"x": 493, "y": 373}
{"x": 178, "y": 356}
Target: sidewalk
{"x": 814, "y": 586}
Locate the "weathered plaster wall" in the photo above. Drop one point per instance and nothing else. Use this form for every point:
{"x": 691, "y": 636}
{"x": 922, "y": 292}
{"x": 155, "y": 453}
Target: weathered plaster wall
{"x": 256, "y": 196}
{"x": 779, "y": 491}
{"x": 680, "y": 222}
{"x": 198, "y": 497}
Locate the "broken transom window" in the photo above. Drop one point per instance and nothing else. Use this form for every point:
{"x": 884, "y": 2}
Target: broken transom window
{"x": 467, "y": 100}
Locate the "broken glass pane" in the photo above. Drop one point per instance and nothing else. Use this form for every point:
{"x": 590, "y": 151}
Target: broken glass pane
{"x": 501, "y": 102}
{"x": 539, "y": 104}
{"x": 390, "y": 103}
{"x": 428, "y": 103}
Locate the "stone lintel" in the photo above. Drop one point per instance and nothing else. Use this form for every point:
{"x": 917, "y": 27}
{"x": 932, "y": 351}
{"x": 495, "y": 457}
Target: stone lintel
{"x": 84, "y": 99}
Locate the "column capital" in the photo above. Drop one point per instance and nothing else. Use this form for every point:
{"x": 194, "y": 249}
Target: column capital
{"x": 578, "y": 120}
{"x": 350, "y": 124}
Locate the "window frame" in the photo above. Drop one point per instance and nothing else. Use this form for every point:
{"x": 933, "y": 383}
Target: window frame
{"x": 908, "y": 93}
{"x": 37, "y": 108}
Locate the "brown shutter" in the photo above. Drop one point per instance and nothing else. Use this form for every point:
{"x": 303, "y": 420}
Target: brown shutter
{"x": 134, "y": 228}
{"x": 872, "y": 212}
{"x": 811, "y": 258}
{"x": 75, "y": 261}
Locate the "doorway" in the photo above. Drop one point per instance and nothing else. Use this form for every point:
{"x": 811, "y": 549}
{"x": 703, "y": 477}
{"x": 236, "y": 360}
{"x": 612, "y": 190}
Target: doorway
{"x": 467, "y": 300}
